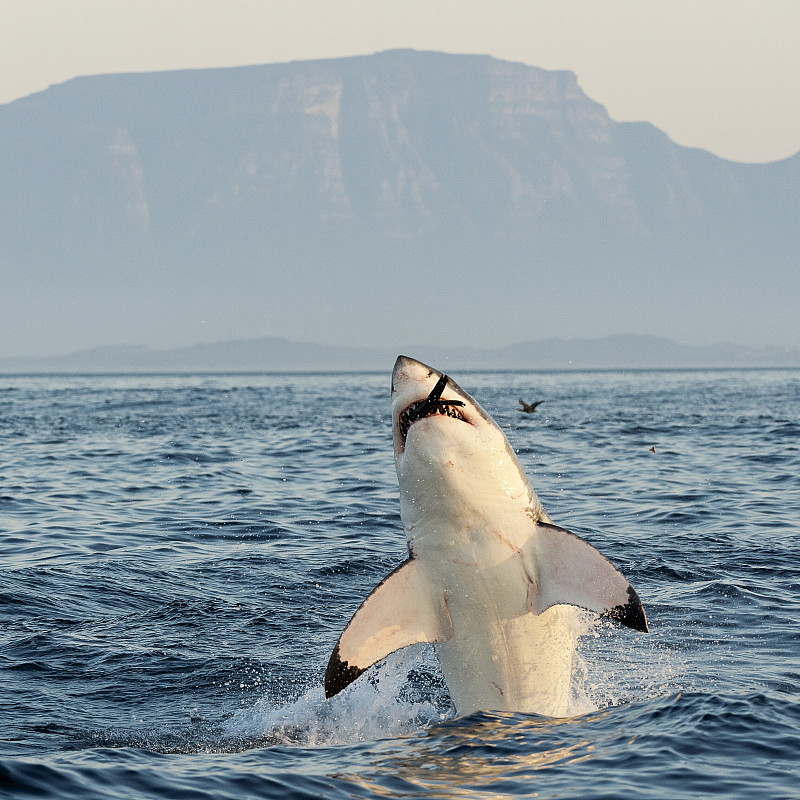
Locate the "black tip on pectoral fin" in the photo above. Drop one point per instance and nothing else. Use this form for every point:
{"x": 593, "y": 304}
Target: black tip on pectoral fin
{"x": 339, "y": 674}
{"x": 631, "y": 614}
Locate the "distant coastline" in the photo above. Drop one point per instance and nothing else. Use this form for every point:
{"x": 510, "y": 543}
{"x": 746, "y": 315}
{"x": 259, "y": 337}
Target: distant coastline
{"x": 273, "y": 354}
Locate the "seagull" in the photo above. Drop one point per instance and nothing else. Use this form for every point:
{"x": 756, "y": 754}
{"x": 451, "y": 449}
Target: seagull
{"x": 529, "y": 408}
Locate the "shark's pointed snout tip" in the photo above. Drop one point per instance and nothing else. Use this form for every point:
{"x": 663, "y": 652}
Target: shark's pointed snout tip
{"x": 407, "y": 368}
{"x": 405, "y": 361}
{"x": 408, "y": 365}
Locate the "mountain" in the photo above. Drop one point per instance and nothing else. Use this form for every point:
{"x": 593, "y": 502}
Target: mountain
{"x": 379, "y": 200}
{"x": 280, "y": 355}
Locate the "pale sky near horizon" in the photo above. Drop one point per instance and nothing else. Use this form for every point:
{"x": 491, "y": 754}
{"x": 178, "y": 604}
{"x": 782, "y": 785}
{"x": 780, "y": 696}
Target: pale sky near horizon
{"x": 722, "y": 75}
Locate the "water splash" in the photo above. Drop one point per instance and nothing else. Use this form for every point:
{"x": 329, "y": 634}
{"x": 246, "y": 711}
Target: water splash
{"x": 379, "y": 706}
{"x": 406, "y": 693}
{"x": 615, "y": 666}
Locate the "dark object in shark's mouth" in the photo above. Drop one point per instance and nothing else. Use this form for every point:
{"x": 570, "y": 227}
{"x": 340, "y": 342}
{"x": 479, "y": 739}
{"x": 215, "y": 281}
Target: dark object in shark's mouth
{"x": 431, "y": 405}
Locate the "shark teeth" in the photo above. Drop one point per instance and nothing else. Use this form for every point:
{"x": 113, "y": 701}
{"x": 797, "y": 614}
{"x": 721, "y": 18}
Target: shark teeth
{"x": 440, "y": 408}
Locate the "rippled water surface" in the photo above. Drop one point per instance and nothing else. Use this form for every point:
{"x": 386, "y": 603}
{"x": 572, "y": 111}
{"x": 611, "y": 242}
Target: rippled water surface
{"x": 178, "y": 555}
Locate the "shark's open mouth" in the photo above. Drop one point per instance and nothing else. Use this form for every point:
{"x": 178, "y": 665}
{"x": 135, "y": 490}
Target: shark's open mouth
{"x": 432, "y": 404}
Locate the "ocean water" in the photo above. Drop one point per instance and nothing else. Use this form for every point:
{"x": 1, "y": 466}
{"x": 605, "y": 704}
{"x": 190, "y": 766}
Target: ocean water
{"x": 178, "y": 555}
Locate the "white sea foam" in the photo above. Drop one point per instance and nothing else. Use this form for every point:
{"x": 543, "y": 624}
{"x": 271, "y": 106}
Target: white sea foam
{"x": 615, "y": 666}
{"x": 369, "y": 709}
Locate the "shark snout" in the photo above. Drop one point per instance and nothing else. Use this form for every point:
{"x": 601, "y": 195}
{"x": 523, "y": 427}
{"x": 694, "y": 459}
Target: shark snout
{"x": 409, "y": 370}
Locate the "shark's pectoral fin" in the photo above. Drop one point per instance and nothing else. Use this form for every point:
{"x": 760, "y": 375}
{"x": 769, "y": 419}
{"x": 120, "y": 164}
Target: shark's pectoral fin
{"x": 403, "y": 609}
{"x": 566, "y": 569}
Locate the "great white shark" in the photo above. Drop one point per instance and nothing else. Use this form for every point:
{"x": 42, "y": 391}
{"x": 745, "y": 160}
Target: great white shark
{"x": 488, "y": 573}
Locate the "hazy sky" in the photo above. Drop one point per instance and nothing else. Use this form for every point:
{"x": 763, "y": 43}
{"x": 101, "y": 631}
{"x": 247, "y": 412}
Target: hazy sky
{"x": 718, "y": 74}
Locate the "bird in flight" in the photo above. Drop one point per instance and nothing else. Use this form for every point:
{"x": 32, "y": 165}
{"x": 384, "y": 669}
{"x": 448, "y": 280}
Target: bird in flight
{"x": 528, "y": 408}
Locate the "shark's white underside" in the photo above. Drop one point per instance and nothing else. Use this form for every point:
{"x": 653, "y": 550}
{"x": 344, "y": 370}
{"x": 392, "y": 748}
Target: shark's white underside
{"x": 488, "y": 574}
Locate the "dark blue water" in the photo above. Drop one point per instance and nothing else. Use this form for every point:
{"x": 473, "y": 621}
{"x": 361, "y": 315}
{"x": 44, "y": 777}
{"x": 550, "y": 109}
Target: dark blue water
{"x": 179, "y": 554}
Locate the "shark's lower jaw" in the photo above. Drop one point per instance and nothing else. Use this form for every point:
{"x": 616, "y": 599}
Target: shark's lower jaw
{"x": 416, "y": 412}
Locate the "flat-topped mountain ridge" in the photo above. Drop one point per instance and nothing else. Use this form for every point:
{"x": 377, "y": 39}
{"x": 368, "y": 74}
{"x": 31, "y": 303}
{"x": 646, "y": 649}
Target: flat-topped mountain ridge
{"x": 361, "y": 199}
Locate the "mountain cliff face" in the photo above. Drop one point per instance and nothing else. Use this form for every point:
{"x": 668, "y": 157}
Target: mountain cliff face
{"x": 414, "y": 190}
